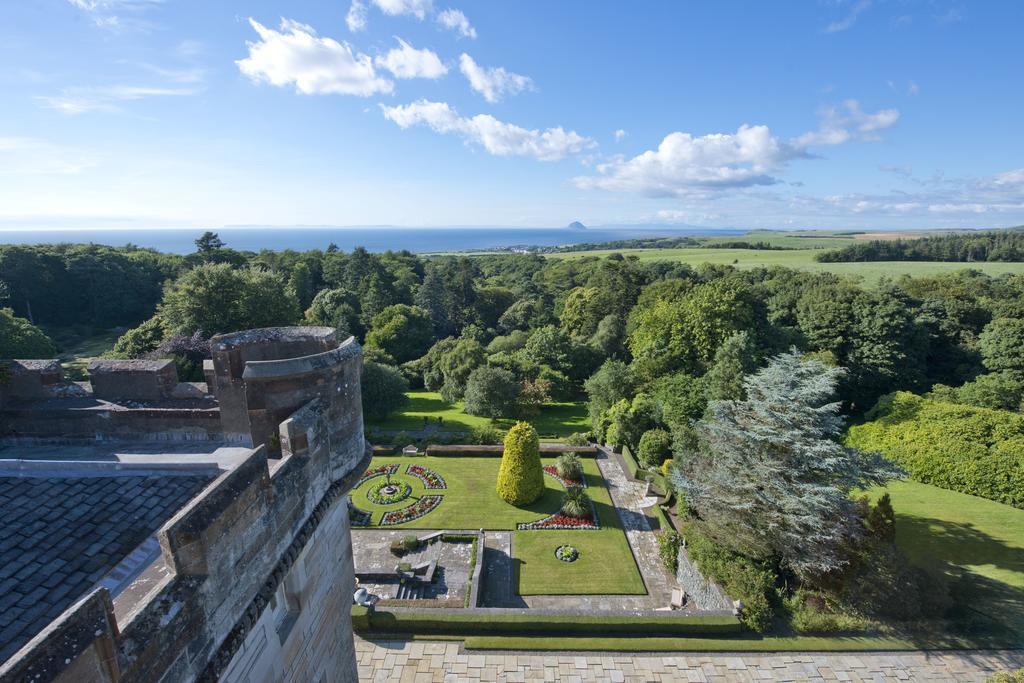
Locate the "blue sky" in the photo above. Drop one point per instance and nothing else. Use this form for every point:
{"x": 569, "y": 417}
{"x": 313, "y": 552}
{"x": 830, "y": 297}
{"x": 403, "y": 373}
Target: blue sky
{"x": 833, "y": 114}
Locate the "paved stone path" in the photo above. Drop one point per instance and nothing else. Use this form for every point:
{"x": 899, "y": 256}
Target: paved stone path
{"x": 626, "y": 495}
{"x": 436, "y": 661}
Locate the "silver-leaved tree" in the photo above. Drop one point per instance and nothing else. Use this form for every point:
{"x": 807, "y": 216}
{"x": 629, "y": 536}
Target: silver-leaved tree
{"x": 769, "y": 477}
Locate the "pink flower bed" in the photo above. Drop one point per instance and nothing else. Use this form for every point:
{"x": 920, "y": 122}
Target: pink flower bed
{"x": 430, "y": 478}
{"x": 378, "y": 471}
{"x": 552, "y": 471}
{"x": 411, "y": 512}
{"x": 560, "y": 520}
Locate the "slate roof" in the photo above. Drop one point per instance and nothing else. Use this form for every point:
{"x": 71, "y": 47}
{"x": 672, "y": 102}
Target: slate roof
{"x": 60, "y": 535}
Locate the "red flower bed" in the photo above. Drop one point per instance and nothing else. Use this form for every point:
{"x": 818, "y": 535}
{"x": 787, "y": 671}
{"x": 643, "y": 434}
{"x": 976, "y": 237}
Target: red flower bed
{"x": 411, "y": 512}
{"x": 560, "y": 520}
{"x": 378, "y": 471}
{"x": 551, "y": 470}
{"x": 430, "y": 478}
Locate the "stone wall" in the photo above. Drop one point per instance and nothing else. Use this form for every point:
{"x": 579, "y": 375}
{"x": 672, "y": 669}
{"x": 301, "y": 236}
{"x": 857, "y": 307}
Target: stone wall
{"x": 704, "y": 594}
{"x": 256, "y": 572}
{"x": 134, "y": 380}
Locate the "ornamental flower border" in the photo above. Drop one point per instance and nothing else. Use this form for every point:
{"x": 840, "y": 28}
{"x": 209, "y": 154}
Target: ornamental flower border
{"x": 431, "y": 479}
{"x": 374, "y": 495}
{"x": 378, "y": 471}
{"x": 560, "y": 520}
{"x": 411, "y": 512}
{"x": 552, "y": 471}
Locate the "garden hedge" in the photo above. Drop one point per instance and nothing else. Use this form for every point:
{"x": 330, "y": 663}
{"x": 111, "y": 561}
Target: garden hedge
{"x": 482, "y": 450}
{"x": 483, "y": 621}
{"x": 978, "y": 451}
{"x": 521, "y": 477}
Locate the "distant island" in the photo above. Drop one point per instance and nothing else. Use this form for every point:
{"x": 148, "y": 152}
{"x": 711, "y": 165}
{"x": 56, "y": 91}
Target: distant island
{"x": 576, "y": 225}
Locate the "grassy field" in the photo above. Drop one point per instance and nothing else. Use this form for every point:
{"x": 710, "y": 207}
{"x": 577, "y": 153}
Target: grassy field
{"x": 605, "y": 566}
{"x": 801, "y": 259}
{"x": 978, "y": 539}
{"x": 555, "y": 420}
{"x": 76, "y": 350}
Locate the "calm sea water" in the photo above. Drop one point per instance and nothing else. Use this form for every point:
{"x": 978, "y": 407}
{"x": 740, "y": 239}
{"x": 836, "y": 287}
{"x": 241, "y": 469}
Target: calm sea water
{"x": 181, "y": 240}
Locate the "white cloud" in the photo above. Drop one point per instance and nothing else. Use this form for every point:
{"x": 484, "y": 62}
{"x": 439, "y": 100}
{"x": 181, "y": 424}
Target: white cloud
{"x": 356, "y": 17}
{"x": 497, "y": 137}
{"x": 850, "y": 19}
{"x": 109, "y": 14}
{"x": 492, "y": 83}
{"x": 619, "y": 134}
{"x": 846, "y": 123}
{"x": 32, "y": 156}
{"x": 455, "y": 20}
{"x": 394, "y": 8}
{"x": 106, "y": 99}
{"x": 295, "y": 55}
{"x": 406, "y": 61}
{"x": 683, "y": 164}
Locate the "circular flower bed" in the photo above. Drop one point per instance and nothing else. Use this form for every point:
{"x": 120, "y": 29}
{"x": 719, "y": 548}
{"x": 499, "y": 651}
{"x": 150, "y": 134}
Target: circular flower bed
{"x": 567, "y": 553}
{"x": 384, "y": 493}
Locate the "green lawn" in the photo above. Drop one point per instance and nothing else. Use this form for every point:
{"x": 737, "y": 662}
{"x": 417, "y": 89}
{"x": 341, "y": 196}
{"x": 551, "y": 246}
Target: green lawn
{"x": 606, "y": 564}
{"x": 978, "y": 538}
{"x": 801, "y": 259}
{"x": 554, "y": 421}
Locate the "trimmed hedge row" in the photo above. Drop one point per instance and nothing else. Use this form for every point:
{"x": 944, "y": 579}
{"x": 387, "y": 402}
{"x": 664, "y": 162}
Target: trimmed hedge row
{"x": 978, "y": 451}
{"x": 480, "y": 621}
{"x": 546, "y": 449}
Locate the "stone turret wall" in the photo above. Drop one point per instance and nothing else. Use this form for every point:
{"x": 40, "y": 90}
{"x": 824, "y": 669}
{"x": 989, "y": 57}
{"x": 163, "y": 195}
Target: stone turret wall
{"x": 133, "y": 380}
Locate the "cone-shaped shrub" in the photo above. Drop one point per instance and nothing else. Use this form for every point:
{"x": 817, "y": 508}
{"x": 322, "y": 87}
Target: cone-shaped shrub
{"x": 521, "y": 478}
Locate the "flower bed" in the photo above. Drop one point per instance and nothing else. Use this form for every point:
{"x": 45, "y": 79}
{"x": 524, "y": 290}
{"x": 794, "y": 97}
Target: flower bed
{"x": 567, "y": 553}
{"x": 357, "y": 517}
{"x": 560, "y": 520}
{"x": 552, "y": 471}
{"x": 378, "y": 471}
{"x": 379, "y": 494}
{"x": 411, "y": 512}
{"x": 430, "y": 478}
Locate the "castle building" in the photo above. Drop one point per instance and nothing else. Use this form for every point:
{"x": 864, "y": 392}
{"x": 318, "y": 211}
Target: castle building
{"x": 157, "y": 530}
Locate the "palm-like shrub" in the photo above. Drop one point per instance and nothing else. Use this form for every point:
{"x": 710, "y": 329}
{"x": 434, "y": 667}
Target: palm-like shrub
{"x": 521, "y": 477}
{"x": 576, "y": 502}
{"x": 569, "y": 467}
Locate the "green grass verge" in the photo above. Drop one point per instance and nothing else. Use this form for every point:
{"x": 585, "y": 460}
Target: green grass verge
{"x": 800, "y": 259}
{"x": 555, "y": 420}
{"x": 979, "y": 540}
{"x": 453, "y": 622}
{"x": 605, "y": 565}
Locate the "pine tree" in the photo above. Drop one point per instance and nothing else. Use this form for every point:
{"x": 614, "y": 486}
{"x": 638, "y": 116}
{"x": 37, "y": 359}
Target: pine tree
{"x": 769, "y": 478}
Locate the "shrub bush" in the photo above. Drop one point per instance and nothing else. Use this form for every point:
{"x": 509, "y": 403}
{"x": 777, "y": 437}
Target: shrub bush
{"x": 655, "y": 448}
{"x": 491, "y": 392}
{"x": 521, "y": 477}
{"x": 750, "y": 582}
{"x": 570, "y": 467}
{"x": 814, "y": 613}
{"x": 576, "y": 502}
{"x": 972, "y": 450}
{"x": 487, "y": 435}
{"x": 668, "y": 549}
{"x": 578, "y": 439}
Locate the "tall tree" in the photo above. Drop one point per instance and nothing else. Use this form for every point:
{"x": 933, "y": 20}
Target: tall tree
{"x": 769, "y": 478}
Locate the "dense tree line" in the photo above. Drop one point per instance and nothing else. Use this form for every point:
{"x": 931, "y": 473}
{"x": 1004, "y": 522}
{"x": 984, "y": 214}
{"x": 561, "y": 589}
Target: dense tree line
{"x": 996, "y": 245}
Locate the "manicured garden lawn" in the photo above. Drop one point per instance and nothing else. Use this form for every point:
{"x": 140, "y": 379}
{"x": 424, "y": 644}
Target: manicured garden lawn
{"x": 605, "y": 564}
{"x": 555, "y": 419}
{"x": 979, "y": 537}
{"x": 470, "y": 501}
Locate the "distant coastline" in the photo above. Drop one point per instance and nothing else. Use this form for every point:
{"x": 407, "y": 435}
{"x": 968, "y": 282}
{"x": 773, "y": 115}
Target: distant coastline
{"x": 373, "y": 238}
